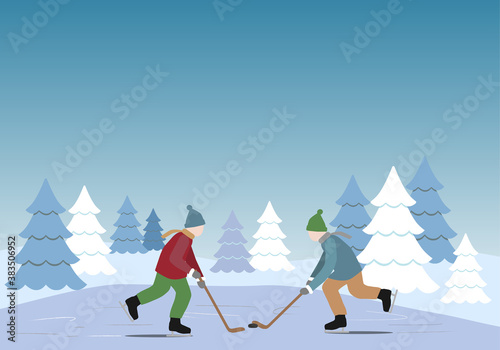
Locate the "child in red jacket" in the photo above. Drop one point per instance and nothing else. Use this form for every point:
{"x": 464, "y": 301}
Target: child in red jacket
{"x": 176, "y": 262}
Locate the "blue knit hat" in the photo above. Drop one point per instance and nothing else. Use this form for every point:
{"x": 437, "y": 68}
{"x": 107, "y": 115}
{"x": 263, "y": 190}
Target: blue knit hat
{"x": 194, "y": 218}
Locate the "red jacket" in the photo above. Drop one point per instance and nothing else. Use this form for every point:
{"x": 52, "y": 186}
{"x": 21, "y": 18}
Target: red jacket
{"x": 177, "y": 258}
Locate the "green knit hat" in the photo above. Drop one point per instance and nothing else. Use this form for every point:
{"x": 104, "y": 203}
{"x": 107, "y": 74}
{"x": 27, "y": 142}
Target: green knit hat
{"x": 316, "y": 223}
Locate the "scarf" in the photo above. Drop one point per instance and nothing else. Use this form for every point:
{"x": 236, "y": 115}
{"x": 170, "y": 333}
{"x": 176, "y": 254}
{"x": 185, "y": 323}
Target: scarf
{"x": 184, "y": 231}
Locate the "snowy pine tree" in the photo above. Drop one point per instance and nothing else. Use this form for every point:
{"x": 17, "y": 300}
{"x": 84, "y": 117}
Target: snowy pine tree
{"x": 232, "y": 254}
{"x": 45, "y": 258}
{"x": 465, "y": 284}
{"x": 269, "y": 252}
{"x": 127, "y": 238}
{"x": 86, "y": 242}
{"x": 152, "y": 237}
{"x": 352, "y": 217}
{"x": 393, "y": 257}
{"x": 428, "y": 213}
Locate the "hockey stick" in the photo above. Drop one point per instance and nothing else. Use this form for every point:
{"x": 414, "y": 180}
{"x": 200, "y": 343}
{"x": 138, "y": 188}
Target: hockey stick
{"x": 232, "y": 330}
{"x": 256, "y": 324}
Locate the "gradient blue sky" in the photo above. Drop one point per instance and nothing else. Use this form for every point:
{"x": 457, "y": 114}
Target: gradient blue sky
{"x": 225, "y": 79}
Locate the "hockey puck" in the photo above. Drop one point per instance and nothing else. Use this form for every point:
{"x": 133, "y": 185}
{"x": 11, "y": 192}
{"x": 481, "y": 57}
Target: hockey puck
{"x": 252, "y": 325}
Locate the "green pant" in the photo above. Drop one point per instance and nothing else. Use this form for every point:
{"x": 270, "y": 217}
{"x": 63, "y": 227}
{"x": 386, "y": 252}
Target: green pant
{"x": 161, "y": 286}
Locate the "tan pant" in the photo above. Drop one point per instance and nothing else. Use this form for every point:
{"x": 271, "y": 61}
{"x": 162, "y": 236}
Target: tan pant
{"x": 356, "y": 287}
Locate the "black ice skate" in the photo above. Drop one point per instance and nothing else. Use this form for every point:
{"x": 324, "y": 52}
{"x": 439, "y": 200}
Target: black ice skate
{"x": 130, "y": 308}
{"x": 176, "y": 326}
{"x": 385, "y": 296}
{"x": 339, "y": 322}
{"x": 132, "y": 304}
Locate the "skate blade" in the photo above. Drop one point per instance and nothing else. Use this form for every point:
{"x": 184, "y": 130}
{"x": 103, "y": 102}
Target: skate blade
{"x": 393, "y": 301}
{"x": 178, "y": 335}
{"x": 126, "y": 312}
{"x": 337, "y": 332}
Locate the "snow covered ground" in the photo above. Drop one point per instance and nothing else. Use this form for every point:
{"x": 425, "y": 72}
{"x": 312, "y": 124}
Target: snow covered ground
{"x": 139, "y": 269}
{"x": 92, "y": 319}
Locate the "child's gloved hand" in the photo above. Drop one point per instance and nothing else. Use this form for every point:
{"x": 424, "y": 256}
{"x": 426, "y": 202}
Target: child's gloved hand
{"x": 304, "y": 291}
{"x": 196, "y": 275}
{"x": 201, "y": 283}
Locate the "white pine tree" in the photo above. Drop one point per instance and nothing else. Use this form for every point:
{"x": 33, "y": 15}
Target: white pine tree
{"x": 393, "y": 257}
{"x": 269, "y": 252}
{"x": 86, "y": 242}
{"x": 465, "y": 284}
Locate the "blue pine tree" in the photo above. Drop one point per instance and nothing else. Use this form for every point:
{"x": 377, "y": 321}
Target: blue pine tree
{"x": 45, "y": 258}
{"x": 232, "y": 254}
{"x": 127, "y": 238}
{"x": 428, "y": 213}
{"x": 152, "y": 237}
{"x": 352, "y": 217}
